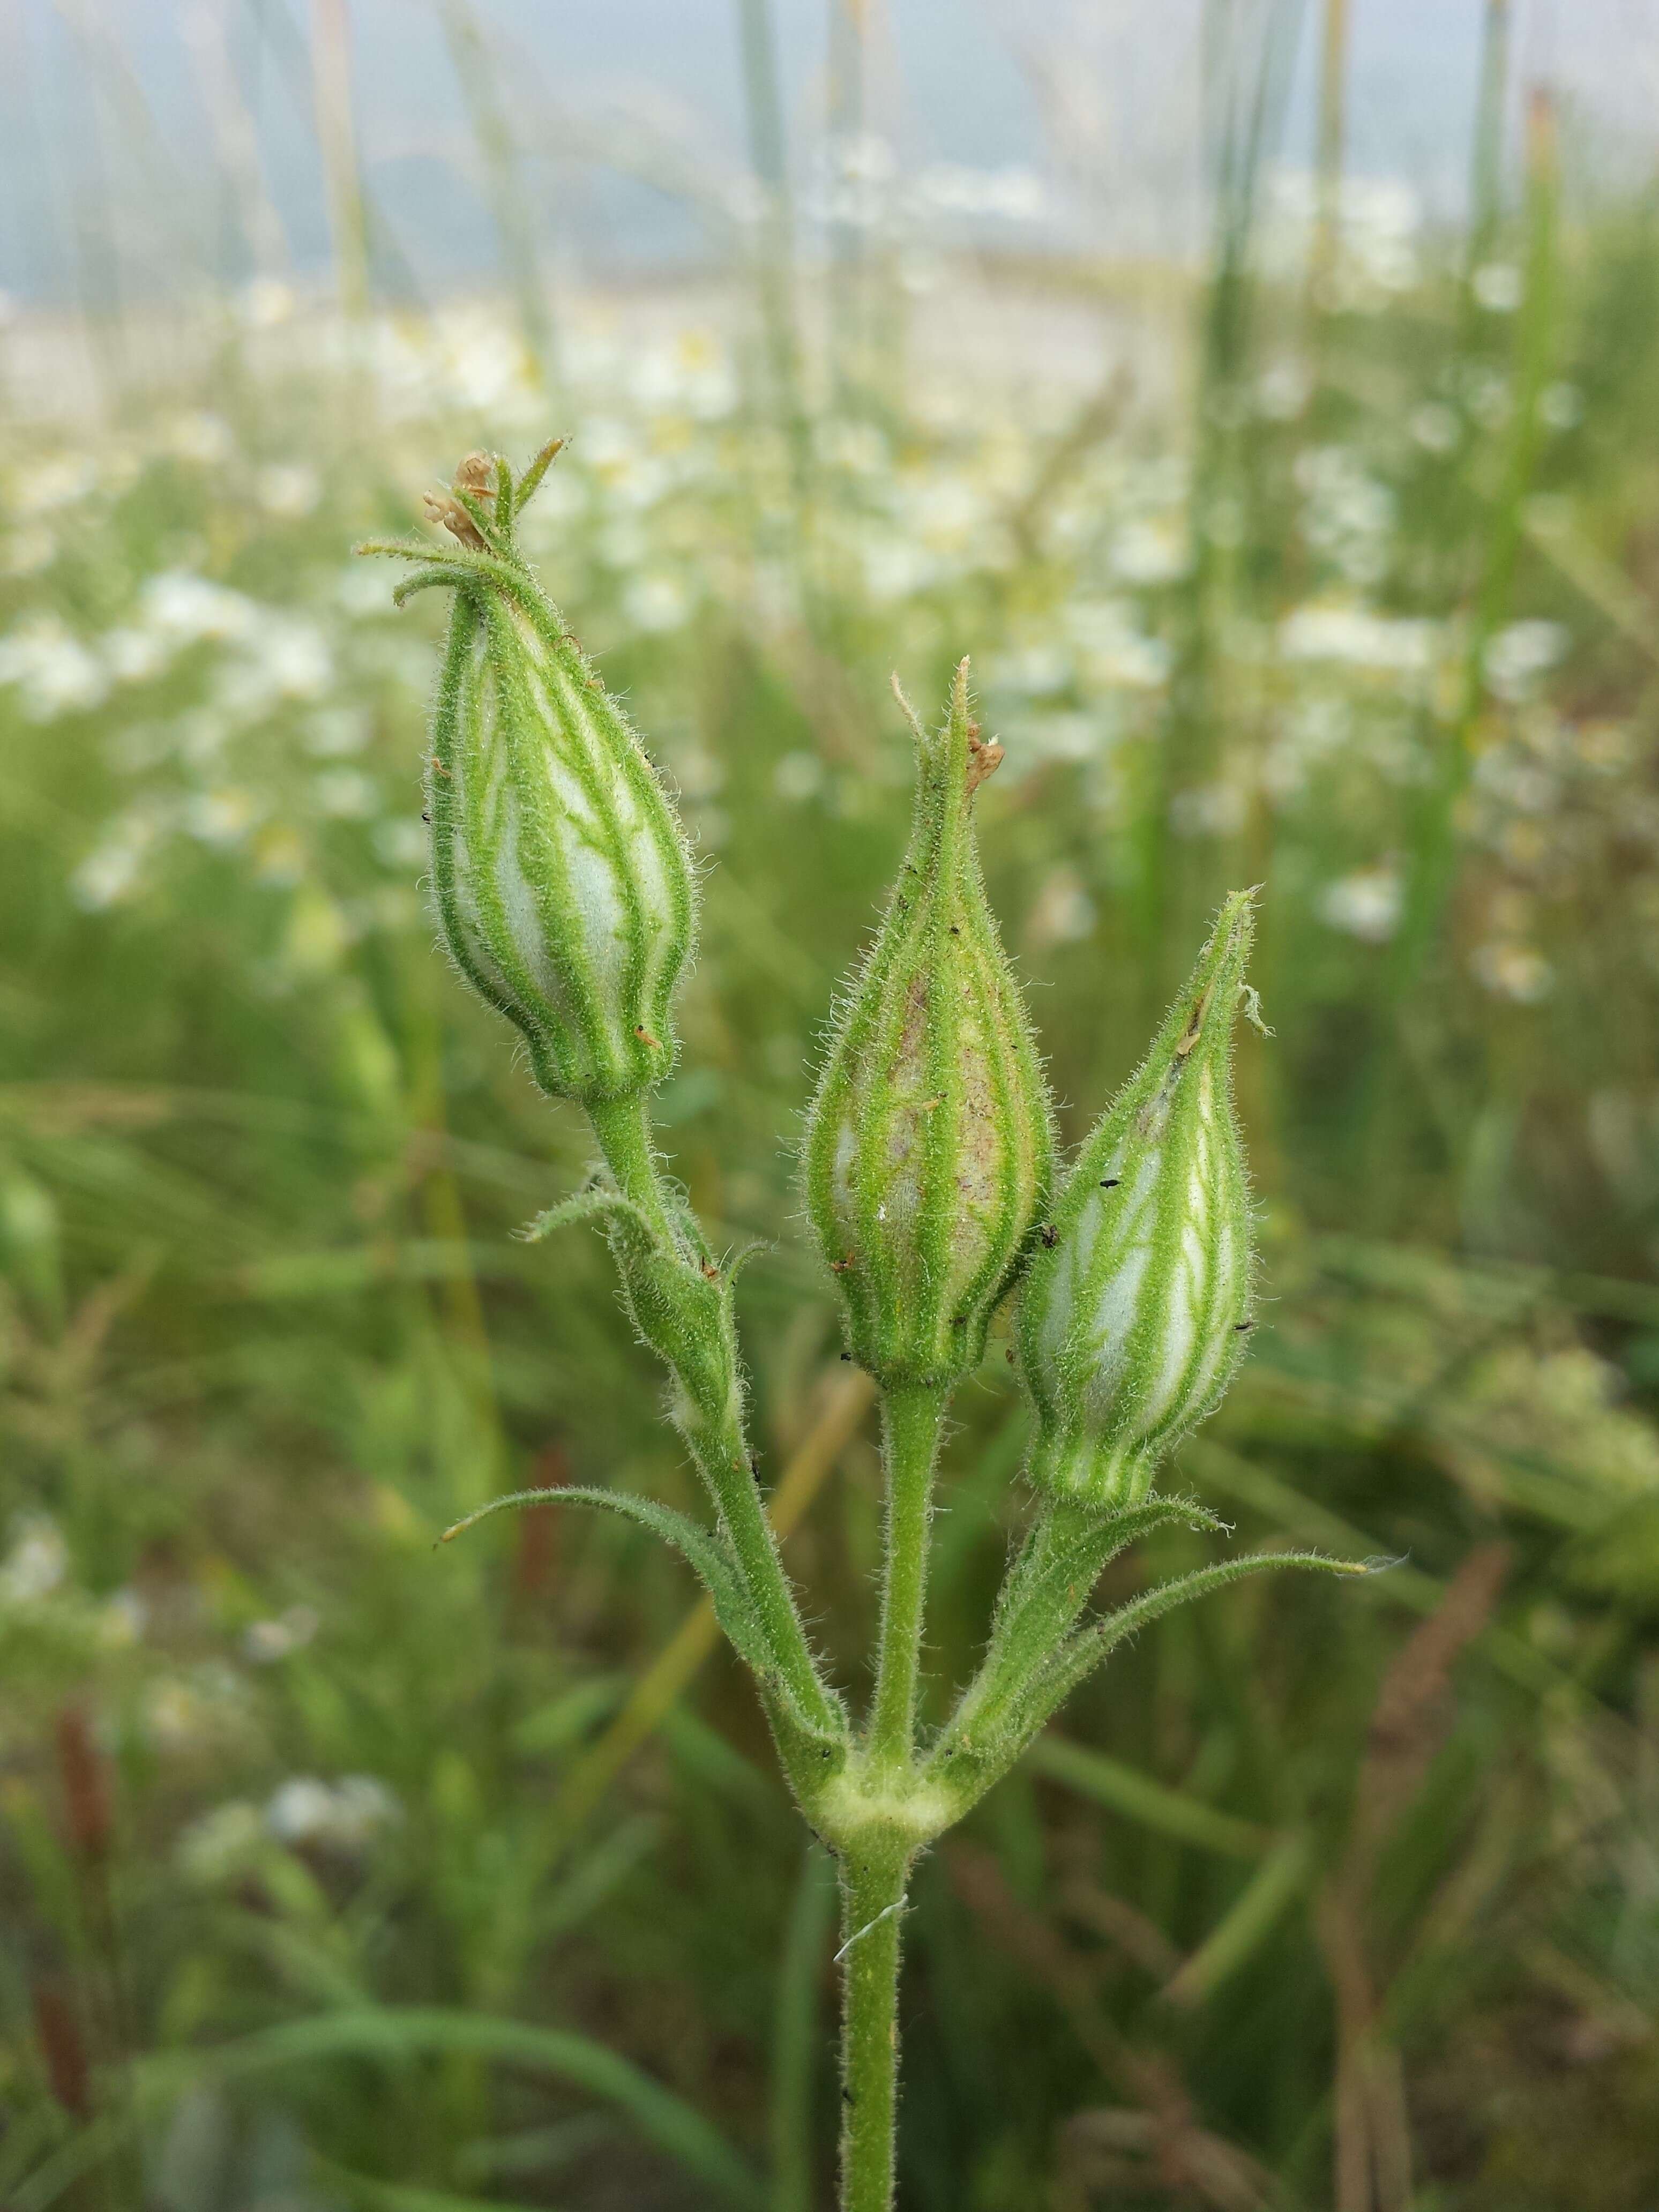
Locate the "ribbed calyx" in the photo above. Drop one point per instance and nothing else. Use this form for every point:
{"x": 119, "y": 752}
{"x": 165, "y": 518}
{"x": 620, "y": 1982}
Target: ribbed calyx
{"x": 928, "y": 1147}
{"x": 1133, "y": 1317}
{"x": 562, "y": 879}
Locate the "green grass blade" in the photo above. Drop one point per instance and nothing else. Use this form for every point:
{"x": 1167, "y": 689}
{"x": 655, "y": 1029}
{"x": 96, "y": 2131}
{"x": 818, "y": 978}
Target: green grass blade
{"x": 1109, "y": 1781}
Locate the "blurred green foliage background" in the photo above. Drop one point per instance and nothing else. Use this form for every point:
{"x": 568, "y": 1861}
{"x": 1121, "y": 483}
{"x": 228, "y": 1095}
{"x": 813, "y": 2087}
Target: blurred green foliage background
{"x": 337, "y": 1872}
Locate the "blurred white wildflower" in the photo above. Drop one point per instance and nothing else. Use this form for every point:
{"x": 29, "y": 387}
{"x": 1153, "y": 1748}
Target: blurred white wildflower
{"x": 623, "y": 545}
{"x": 1038, "y": 671}
{"x": 1349, "y": 514}
{"x": 25, "y": 552}
{"x": 1513, "y": 971}
{"x": 199, "y": 436}
{"x": 1037, "y": 738}
{"x": 1063, "y": 912}
{"x": 287, "y": 489}
{"x": 656, "y": 603}
{"x": 1010, "y": 194}
{"x": 1517, "y": 655}
{"x": 108, "y": 873}
{"x": 1149, "y": 551}
{"x": 364, "y": 590}
{"x": 1561, "y": 406}
{"x": 132, "y": 656}
{"x": 1113, "y": 651}
{"x": 281, "y": 657}
{"x": 1366, "y": 904}
{"x": 1520, "y": 784}
{"x": 1208, "y": 810}
{"x": 345, "y": 794}
{"x": 1284, "y": 391}
{"x": 176, "y": 1715}
{"x": 798, "y": 776}
{"x": 344, "y": 1815}
{"x": 894, "y": 569}
{"x": 1499, "y": 287}
{"x": 855, "y": 188}
{"x": 1435, "y": 426}
{"x": 1487, "y": 395}
{"x": 265, "y": 303}
{"x": 266, "y": 1641}
{"x": 334, "y": 733}
{"x": 947, "y": 512}
{"x": 400, "y": 843}
{"x": 1314, "y": 726}
{"x": 36, "y": 1562}
{"x": 122, "y": 1619}
{"x": 199, "y": 736}
{"x": 183, "y": 608}
{"x": 221, "y": 818}
{"x": 220, "y": 1843}
{"x": 1378, "y": 220}
{"x": 1358, "y": 637}
{"x": 53, "y": 671}
{"x": 692, "y": 377}
{"x": 57, "y": 481}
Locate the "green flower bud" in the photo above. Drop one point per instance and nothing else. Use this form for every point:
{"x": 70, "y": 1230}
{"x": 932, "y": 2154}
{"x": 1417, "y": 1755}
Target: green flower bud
{"x": 1134, "y": 1315}
{"x": 928, "y": 1148}
{"x": 562, "y": 879}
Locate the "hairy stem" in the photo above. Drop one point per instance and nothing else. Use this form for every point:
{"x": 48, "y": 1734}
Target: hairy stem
{"x": 910, "y": 1418}
{"x": 714, "y": 1430}
{"x": 872, "y": 1903}
{"x": 624, "y": 1136}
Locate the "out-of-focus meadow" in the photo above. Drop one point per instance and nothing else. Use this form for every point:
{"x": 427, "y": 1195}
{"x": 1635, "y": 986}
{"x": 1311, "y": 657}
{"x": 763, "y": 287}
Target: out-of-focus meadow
{"x": 339, "y": 1872}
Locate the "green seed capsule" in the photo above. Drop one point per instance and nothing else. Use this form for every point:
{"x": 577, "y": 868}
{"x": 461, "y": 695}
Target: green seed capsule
{"x": 1135, "y": 1314}
{"x": 928, "y": 1148}
{"x": 562, "y": 879}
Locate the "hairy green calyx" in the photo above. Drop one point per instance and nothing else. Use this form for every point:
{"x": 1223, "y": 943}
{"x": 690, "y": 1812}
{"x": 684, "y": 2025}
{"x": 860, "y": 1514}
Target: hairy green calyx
{"x": 928, "y": 1147}
{"x": 1134, "y": 1315}
{"x": 563, "y": 880}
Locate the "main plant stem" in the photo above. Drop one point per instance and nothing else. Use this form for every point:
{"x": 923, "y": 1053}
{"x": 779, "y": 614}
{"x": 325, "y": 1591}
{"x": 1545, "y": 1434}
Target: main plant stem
{"x": 876, "y": 1860}
{"x": 872, "y": 1907}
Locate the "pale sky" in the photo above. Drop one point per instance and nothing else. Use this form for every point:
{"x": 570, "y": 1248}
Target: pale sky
{"x": 106, "y": 129}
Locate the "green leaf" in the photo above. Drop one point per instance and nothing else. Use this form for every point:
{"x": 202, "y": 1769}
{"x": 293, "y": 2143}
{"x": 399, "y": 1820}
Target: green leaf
{"x": 530, "y": 481}
{"x": 1068, "y": 1548}
{"x": 586, "y": 1206}
{"x": 707, "y": 1553}
{"x": 1082, "y": 1653}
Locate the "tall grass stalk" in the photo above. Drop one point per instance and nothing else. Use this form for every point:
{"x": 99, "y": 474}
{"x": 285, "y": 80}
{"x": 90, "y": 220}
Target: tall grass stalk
{"x": 510, "y": 204}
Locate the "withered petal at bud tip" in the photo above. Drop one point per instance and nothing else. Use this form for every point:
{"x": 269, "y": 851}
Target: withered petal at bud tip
{"x": 476, "y": 474}
{"x": 446, "y": 512}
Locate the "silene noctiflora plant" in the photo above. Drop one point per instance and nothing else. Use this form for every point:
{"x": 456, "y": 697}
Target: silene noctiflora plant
{"x": 567, "y": 897}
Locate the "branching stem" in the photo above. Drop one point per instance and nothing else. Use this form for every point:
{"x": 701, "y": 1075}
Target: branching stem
{"x": 713, "y": 1431}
